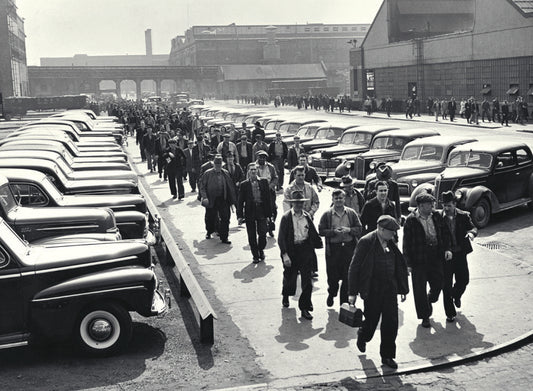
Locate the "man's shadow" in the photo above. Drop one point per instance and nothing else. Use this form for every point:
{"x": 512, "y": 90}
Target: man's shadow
{"x": 293, "y": 333}
{"x": 337, "y": 331}
{"x": 252, "y": 271}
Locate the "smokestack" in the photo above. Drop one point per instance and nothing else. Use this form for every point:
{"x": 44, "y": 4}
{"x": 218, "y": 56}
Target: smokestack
{"x": 148, "y": 41}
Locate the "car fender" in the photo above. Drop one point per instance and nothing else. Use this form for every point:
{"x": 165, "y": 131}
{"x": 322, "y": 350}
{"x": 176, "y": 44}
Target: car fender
{"x": 472, "y": 195}
{"x": 54, "y": 309}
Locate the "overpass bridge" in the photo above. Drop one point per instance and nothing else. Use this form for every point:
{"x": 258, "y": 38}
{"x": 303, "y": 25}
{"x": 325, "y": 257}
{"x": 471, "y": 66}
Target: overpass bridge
{"x": 65, "y": 80}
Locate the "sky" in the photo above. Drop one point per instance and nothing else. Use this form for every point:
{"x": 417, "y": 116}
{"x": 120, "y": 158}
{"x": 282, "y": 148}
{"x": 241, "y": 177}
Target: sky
{"x": 63, "y": 28}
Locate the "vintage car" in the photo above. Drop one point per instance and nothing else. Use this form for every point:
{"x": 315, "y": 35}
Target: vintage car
{"x": 34, "y": 224}
{"x": 85, "y": 124}
{"x": 288, "y": 129}
{"x": 386, "y": 147}
{"x": 69, "y": 146}
{"x": 487, "y": 177}
{"x": 35, "y": 189}
{"x": 89, "y": 113}
{"x": 78, "y": 292}
{"x": 77, "y": 163}
{"x": 69, "y": 127}
{"x": 70, "y": 186}
{"x": 327, "y": 135}
{"x": 98, "y": 145}
{"x": 422, "y": 160}
{"x": 354, "y": 140}
{"x": 67, "y": 170}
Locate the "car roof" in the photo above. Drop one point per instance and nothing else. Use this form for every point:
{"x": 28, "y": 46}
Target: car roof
{"x": 420, "y": 132}
{"x": 338, "y": 124}
{"x": 302, "y": 121}
{"x": 441, "y": 140}
{"x": 491, "y": 146}
{"x": 372, "y": 128}
{"x": 22, "y": 174}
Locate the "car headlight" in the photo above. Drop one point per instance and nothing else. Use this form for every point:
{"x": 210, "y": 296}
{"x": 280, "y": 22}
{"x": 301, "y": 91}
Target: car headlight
{"x": 373, "y": 165}
{"x": 458, "y": 195}
{"x": 414, "y": 183}
{"x": 348, "y": 165}
{"x": 309, "y": 159}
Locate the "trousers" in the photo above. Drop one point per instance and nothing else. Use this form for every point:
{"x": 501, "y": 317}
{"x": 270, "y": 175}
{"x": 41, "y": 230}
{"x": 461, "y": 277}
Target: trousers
{"x": 431, "y": 273}
{"x": 337, "y": 265}
{"x": 458, "y": 267}
{"x": 300, "y": 262}
{"x": 220, "y": 212}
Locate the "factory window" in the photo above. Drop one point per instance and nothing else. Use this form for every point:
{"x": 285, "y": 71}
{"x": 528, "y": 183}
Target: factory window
{"x": 307, "y": 29}
{"x": 326, "y": 28}
{"x": 354, "y": 28}
{"x": 363, "y": 28}
{"x": 335, "y": 29}
{"x": 316, "y": 29}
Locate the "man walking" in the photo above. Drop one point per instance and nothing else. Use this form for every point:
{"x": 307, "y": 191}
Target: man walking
{"x": 244, "y": 151}
{"x": 378, "y": 273}
{"x": 462, "y": 231}
{"x": 254, "y": 208}
{"x": 376, "y": 207}
{"x": 426, "y": 245}
{"x": 297, "y": 240}
{"x": 175, "y": 165}
{"x": 277, "y": 152}
{"x": 341, "y": 228}
{"x": 294, "y": 152}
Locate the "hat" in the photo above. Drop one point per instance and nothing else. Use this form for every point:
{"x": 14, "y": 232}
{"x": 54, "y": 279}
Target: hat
{"x": 257, "y": 123}
{"x": 388, "y": 222}
{"x": 261, "y": 153}
{"x": 217, "y": 159}
{"x": 226, "y": 134}
{"x": 383, "y": 171}
{"x": 346, "y": 181}
{"x": 422, "y": 198}
{"x": 297, "y": 196}
{"x": 448, "y": 196}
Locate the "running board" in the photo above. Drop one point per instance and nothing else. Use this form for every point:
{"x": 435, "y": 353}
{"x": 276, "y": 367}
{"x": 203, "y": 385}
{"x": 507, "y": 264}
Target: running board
{"x": 513, "y": 204}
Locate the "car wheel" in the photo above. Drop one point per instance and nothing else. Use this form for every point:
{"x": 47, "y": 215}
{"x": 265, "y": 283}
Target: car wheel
{"x": 480, "y": 213}
{"x": 103, "y": 329}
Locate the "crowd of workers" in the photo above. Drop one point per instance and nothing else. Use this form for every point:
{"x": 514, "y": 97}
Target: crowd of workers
{"x": 362, "y": 253}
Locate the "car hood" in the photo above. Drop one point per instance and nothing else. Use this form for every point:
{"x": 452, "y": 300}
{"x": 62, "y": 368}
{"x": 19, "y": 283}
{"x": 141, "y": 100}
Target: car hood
{"x": 112, "y": 254}
{"x": 380, "y": 153}
{"x": 104, "y": 174}
{"x": 314, "y": 144}
{"x": 115, "y": 202}
{"x": 405, "y": 167}
{"x": 463, "y": 172}
{"x": 88, "y": 186}
{"x": 343, "y": 149}
{"x": 27, "y": 215}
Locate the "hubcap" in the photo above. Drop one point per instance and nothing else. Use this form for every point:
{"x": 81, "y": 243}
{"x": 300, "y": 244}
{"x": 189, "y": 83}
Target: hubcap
{"x": 100, "y": 329}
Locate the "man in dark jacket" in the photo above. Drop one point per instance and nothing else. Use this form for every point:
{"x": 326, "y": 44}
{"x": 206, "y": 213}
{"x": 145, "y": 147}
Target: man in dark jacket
{"x": 277, "y": 154}
{"x": 254, "y": 208}
{"x": 297, "y": 240}
{"x": 376, "y": 207}
{"x": 175, "y": 168}
{"x": 378, "y": 273}
{"x": 426, "y": 245}
{"x": 294, "y": 152}
{"x": 462, "y": 231}
{"x": 384, "y": 173}
{"x": 244, "y": 150}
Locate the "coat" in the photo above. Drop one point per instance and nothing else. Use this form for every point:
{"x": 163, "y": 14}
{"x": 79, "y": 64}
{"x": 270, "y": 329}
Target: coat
{"x": 245, "y": 160}
{"x": 272, "y": 151}
{"x": 175, "y": 162}
{"x": 325, "y": 228}
{"x": 245, "y": 201}
{"x": 292, "y": 156}
{"x": 371, "y": 212}
{"x": 238, "y": 174}
{"x": 286, "y": 234}
{"x": 362, "y": 266}
{"x": 207, "y": 187}
{"x": 463, "y": 225}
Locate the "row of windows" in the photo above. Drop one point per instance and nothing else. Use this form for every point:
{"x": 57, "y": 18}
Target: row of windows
{"x": 335, "y": 28}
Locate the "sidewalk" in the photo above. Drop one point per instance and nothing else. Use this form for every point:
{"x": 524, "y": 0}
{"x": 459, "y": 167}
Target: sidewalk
{"x": 496, "y": 308}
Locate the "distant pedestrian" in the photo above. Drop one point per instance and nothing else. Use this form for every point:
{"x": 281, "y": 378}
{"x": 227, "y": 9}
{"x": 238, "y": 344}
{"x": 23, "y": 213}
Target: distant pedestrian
{"x": 277, "y": 153}
{"x": 175, "y": 168}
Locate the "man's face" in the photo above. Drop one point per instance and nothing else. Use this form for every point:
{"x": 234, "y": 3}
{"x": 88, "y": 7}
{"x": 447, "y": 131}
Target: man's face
{"x": 303, "y": 160}
{"x": 299, "y": 177}
{"x": 296, "y": 141}
{"x": 261, "y": 159}
{"x": 382, "y": 192}
{"x": 252, "y": 172}
{"x": 339, "y": 200}
{"x": 217, "y": 166}
{"x": 298, "y": 206}
{"x": 230, "y": 159}
{"x": 425, "y": 208}
{"x": 385, "y": 234}
{"x": 278, "y": 137}
{"x": 449, "y": 208}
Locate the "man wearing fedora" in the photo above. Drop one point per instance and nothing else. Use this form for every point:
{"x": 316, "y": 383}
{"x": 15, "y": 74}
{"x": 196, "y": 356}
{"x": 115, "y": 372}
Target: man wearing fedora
{"x": 426, "y": 246}
{"x": 217, "y": 192}
{"x": 175, "y": 161}
{"x": 462, "y": 231}
{"x": 254, "y": 208}
{"x": 297, "y": 240}
{"x": 258, "y": 129}
{"x": 353, "y": 197}
{"x": 244, "y": 150}
{"x": 378, "y": 273}
{"x": 384, "y": 173}
{"x": 341, "y": 228}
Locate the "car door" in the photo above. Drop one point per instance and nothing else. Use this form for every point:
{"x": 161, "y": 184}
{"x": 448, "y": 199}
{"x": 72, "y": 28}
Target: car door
{"x": 502, "y": 183}
{"x": 523, "y": 171}
{"x": 11, "y": 297}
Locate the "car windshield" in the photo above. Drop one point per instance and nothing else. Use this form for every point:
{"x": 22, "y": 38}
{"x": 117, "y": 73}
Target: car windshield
{"x": 307, "y": 131}
{"x": 238, "y": 118}
{"x": 13, "y": 241}
{"x": 328, "y": 133}
{"x": 359, "y": 138}
{"x": 6, "y": 198}
{"x": 470, "y": 159}
{"x": 272, "y": 125}
{"x": 393, "y": 143}
{"x": 422, "y": 152}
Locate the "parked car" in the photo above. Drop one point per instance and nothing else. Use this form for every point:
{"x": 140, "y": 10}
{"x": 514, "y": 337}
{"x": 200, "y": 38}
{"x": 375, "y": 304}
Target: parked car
{"x": 354, "y": 140}
{"x": 47, "y": 132}
{"x": 82, "y": 292}
{"x": 288, "y": 129}
{"x": 327, "y": 135}
{"x": 35, "y": 224}
{"x": 308, "y": 132}
{"x": 487, "y": 177}
{"x": 386, "y": 147}
{"x": 34, "y": 189}
{"x": 71, "y": 186}
{"x": 422, "y": 160}
{"x": 63, "y": 124}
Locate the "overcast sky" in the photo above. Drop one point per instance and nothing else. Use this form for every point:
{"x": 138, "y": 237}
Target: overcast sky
{"x": 62, "y": 28}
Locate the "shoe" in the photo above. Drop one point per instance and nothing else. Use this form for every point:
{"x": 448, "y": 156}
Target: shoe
{"x": 256, "y": 260}
{"x": 160, "y": 175}
{"x": 225, "y": 241}
{"x": 450, "y": 319}
{"x": 361, "y": 345}
{"x": 193, "y": 191}
{"x": 261, "y": 255}
{"x": 271, "y": 234}
{"x": 329, "y": 301}
{"x": 181, "y": 197}
{"x": 311, "y": 308}
{"x": 306, "y": 315}
{"x": 457, "y": 302}
{"x": 389, "y": 362}
{"x": 285, "y": 301}
{"x": 208, "y": 236}
{"x": 174, "y": 196}
{"x": 314, "y": 275}
{"x": 425, "y": 323}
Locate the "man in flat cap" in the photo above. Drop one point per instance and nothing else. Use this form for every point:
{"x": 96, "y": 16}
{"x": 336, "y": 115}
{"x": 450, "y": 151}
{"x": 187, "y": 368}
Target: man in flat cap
{"x": 378, "y": 273}
{"x": 426, "y": 246}
{"x": 268, "y": 171}
{"x": 462, "y": 231}
{"x": 227, "y": 146}
{"x": 297, "y": 240}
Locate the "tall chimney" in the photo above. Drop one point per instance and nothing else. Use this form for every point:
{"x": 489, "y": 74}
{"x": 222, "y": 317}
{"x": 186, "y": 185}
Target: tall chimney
{"x": 148, "y": 41}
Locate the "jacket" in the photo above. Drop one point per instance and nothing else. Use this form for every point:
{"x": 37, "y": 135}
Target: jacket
{"x": 463, "y": 225}
{"x": 362, "y": 266}
{"x": 371, "y": 212}
{"x": 272, "y": 151}
{"x": 286, "y": 234}
{"x": 245, "y": 201}
{"x": 207, "y": 187}
{"x": 175, "y": 159}
{"x": 292, "y": 156}
{"x": 325, "y": 229}
{"x": 238, "y": 174}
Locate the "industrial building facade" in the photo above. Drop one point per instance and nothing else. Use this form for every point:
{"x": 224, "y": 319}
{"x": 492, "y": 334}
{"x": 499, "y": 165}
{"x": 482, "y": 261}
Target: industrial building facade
{"x": 13, "y": 69}
{"x": 445, "y": 48}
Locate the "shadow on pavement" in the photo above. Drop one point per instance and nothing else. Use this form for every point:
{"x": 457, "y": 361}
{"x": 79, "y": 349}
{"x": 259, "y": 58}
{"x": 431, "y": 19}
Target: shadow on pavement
{"x": 293, "y": 333}
{"x": 252, "y": 271}
{"x": 336, "y": 331}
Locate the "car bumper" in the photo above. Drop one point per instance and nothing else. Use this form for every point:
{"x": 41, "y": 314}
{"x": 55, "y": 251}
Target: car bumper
{"x": 160, "y": 303}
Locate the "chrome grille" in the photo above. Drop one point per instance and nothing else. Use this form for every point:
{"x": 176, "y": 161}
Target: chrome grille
{"x": 359, "y": 170}
{"x": 403, "y": 189}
